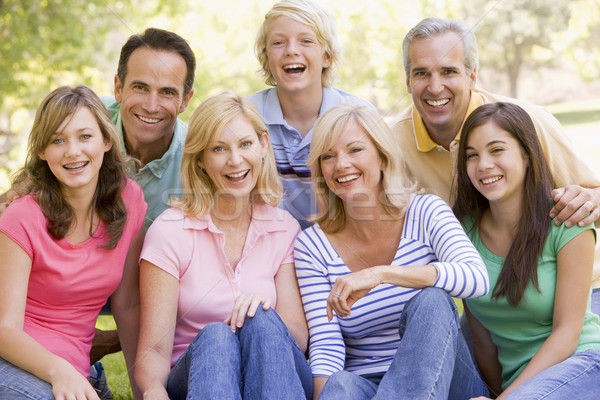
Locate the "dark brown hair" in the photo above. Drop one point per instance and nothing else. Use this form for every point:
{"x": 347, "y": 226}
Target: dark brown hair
{"x": 520, "y": 265}
{"x": 159, "y": 39}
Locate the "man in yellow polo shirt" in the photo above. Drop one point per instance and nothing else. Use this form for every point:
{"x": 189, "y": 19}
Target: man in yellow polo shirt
{"x": 441, "y": 63}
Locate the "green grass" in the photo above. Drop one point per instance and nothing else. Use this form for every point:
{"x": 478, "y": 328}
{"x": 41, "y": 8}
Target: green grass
{"x": 114, "y": 365}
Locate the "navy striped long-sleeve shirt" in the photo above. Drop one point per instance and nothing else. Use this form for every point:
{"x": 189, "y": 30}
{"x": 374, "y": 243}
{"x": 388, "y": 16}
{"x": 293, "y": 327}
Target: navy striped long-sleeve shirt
{"x": 366, "y": 341}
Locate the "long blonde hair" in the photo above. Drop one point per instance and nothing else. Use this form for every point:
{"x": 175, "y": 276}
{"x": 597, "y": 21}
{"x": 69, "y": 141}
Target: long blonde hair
{"x": 396, "y": 187}
{"x": 206, "y": 126}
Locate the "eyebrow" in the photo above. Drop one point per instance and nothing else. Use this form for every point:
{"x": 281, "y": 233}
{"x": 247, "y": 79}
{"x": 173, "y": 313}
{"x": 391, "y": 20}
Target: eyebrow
{"x": 493, "y": 142}
{"x": 171, "y": 88}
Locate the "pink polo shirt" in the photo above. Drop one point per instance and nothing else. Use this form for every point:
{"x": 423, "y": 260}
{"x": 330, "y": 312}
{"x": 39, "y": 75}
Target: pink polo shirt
{"x": 192, "y": 250}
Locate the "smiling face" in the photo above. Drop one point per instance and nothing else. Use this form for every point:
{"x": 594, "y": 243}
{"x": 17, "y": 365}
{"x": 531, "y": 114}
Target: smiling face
{"x": 151, "y": 97}
{"x": 75, "y": 152}
{"x": 496, "y": 164}
{"x": 352, "y": 166}
{"x": 295, "y": 56}
{"x": 439, "y": 84}
{"x": 234, "y": 161}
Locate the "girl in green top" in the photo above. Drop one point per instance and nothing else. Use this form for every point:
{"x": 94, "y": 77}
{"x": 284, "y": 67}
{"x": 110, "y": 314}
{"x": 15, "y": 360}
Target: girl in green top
{"x": 534, "y": 336}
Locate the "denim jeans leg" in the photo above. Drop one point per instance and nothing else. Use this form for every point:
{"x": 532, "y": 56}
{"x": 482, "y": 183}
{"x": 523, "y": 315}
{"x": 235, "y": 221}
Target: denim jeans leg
{"x": 344, "y": 385}
{"x": 17, "y": 384}
{"x": 578, "y": 377}
{"x": 432, "y": 361}
{"x": 273, "y": 366}
{"x": 209, "y": 368}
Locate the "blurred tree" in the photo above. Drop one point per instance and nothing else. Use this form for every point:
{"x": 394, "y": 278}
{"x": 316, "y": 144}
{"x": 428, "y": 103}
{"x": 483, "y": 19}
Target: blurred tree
{"x": 582, "y": 40}
{"x": 515, "y": 34}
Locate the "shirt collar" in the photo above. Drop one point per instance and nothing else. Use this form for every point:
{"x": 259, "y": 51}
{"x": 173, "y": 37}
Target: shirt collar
{"x": 424, "y": 142}
{"x": 273, "y": 115}
{"x": 265, "y": 219}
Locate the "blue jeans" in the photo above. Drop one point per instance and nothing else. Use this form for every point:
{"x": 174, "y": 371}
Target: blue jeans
{"x": 578, "y": 377}
{"x": 17, "y": 384}
{"x": 261, "y": 360}
{"x": 432, "y": 361}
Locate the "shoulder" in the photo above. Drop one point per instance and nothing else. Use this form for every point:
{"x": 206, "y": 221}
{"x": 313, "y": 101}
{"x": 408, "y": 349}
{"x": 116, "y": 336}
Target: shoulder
{"x": 132, "y": 191}
{"x": 24, "y": 210}
{"x": 312, "y": 238}
{"x": 403, "y": 119}
{"x": 335, "y": 96}
{"x": 275, "y": 219}
{"x": 111, "y": 104}
{"x": 427, "y": 203}
{"x": 536, "y": 112}
{"x": 561, "y": 235}
{"x": 259, "y": 99}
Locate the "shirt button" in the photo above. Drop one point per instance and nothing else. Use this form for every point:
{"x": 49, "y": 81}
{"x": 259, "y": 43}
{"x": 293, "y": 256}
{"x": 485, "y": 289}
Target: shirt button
{"x": 296, "y": 141}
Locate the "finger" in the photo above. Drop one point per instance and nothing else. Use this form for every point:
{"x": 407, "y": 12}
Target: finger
{"x": 235, "y": 311}
{"x": 591, "y": 218}
{"x": 253, "y": 306}
{"x": 581, "y": 208}
{"x": 243, "y": 311}
{"x": 329, "y": 312}
{"x": 267, "y": 304}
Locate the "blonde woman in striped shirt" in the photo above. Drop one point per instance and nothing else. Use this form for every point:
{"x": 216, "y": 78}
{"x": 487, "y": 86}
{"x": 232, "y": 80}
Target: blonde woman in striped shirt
{"x": 377, "y": 270}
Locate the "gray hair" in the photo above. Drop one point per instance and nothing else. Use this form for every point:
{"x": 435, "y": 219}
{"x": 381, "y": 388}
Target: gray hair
{"x": 435, "y": 26}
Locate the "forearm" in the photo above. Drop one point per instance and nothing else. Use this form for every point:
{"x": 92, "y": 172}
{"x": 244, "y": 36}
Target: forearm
{"x": 318, "y": 383}
{"x": 152, "y": 372}
{"x": 299, "y": 332}
{"x": 554, "y": 350}
{"x": 21, "y": 350}
{"x": 417, "y": 277}
{"x": 127, "y": 319}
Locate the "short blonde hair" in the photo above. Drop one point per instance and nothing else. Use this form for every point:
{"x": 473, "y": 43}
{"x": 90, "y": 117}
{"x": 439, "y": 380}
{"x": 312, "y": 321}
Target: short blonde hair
{"x": 310, "y": 13}
{"x": 205, "y": 127}
{"x": 396, "y": 187}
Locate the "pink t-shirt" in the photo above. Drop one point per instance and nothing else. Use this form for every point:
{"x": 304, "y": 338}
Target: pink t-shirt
{"x": 69, "y": 283}
{"x": 192, "y": 250}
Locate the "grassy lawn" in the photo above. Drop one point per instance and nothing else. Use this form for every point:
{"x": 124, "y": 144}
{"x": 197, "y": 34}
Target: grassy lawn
{"x": 114, "y": 365}
{"x": 581, "y": 121}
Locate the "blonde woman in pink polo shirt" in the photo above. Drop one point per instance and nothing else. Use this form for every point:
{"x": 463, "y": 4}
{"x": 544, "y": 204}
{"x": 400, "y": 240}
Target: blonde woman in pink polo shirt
{"x": 221, "y": 315}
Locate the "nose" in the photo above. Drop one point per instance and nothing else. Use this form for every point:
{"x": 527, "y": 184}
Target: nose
{"x": 235, "y": 158}
{"x": 73, "y": 149}
{"x": 341, "y": 162}
{"x": 435, "y": 84}
{"x": 485, "y": 162}
{"x": 291, "y": 47}
{"x": 152, "y": 103}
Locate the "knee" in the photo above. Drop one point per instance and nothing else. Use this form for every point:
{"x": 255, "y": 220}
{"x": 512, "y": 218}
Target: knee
{"x": 433, "y": 300}
{"x": 214, "y": 334}
{"x": 261, "y": 321}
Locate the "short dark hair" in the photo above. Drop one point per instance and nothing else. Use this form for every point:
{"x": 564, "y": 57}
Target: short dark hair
{"x": 159, "y": 39}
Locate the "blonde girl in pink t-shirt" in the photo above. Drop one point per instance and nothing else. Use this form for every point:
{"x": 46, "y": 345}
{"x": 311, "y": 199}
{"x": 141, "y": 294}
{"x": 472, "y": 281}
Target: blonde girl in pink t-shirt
{"x": 221, "y": 315}
{"x": 65, "y": 248}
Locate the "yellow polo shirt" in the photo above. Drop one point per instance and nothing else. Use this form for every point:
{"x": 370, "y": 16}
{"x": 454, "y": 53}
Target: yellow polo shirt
{"x": 433, "y": 166}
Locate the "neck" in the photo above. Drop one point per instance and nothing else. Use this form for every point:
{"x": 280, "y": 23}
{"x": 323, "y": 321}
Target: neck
{"x": 504, "y": 216}
{"x": 301, "y": 109}
{"x": 367, "y": 222}
{"x": 147, "y": 152}
{"x": 229, "y": 210}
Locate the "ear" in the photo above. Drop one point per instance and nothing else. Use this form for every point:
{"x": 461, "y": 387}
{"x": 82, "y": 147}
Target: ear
{"x": 42, "y": 156}
{"x": 107, "y": 145}
{"x": 264, "y": 142}
{"x": 186, "y": 101}
{"x": 473, "y": 77}
{"x": 408, "y": 88}
{"x": 118, "y": 89}
{"x": 326, "y": 60}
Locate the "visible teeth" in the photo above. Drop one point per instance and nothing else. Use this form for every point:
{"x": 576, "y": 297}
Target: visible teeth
{"x": 76, "y": 165}
{"x": 348, "y": 178}
{"x": 237, "y": 175}
{"x": 438, "y": 103}
{"x": 487, "y": 181}
{"x": 293, "y": 66}
{"x": 149, "y": 120}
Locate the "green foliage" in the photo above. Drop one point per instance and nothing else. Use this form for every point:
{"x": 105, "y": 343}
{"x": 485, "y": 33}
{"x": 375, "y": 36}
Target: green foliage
{"x": 510, "y": 33}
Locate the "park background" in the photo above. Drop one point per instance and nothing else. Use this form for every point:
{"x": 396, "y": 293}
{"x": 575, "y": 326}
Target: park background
{"x": 541, "y": 51}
